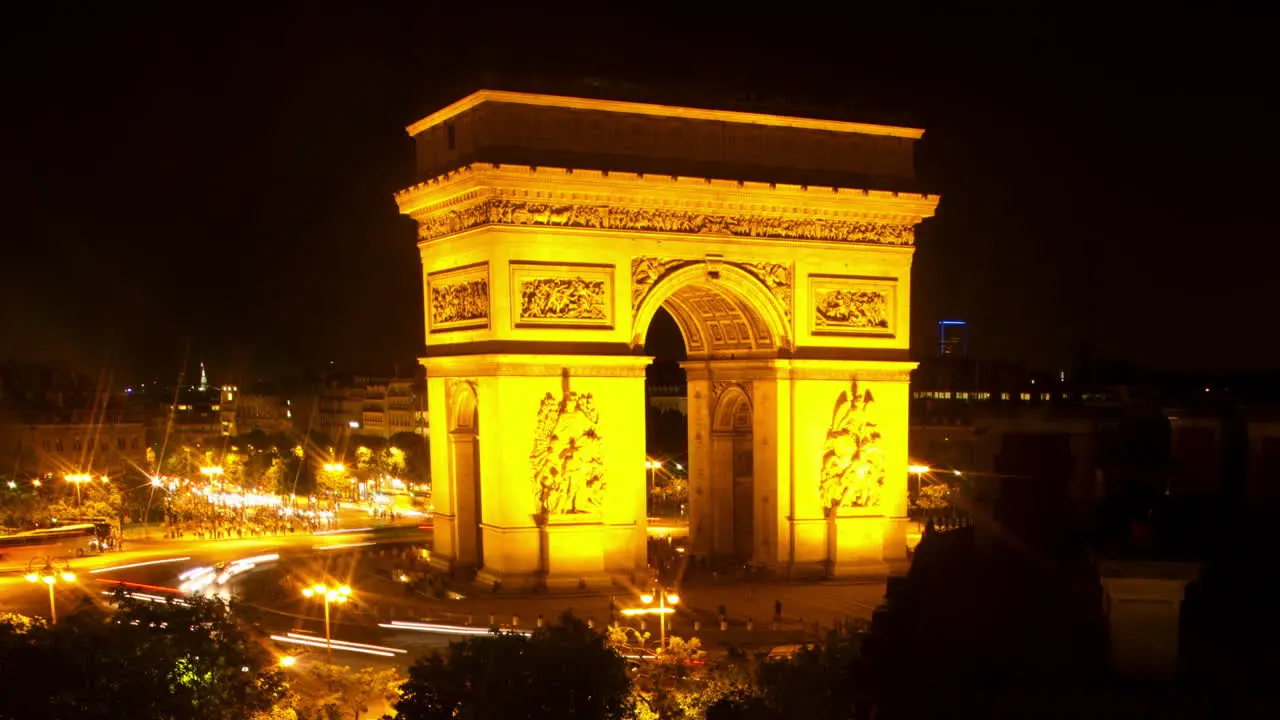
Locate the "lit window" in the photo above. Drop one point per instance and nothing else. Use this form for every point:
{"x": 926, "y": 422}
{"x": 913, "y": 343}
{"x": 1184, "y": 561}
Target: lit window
{"x": 1004, "y": 396}
{"x": 1024, "y": 397}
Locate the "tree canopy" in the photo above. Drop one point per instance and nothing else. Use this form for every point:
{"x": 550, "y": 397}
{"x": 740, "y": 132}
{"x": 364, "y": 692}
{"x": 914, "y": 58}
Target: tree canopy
{"x": 196, "y": 661}
{"x": 565, "y": 670}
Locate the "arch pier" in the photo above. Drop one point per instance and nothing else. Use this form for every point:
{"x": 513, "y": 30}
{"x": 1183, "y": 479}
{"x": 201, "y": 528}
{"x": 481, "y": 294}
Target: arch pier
{"x": 540, "y": 283}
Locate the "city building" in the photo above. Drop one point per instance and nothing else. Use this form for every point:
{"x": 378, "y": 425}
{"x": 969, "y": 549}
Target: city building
{"x": 56, "y": 421}
{"x": 953, "y": 338}
{"x": 360, "y": 405}
{"x": 57, "y": 449}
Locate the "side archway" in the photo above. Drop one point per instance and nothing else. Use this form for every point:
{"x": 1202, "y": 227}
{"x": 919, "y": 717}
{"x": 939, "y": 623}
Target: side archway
{"x": 732, "y": 474}
{"x": 464, "y": 477}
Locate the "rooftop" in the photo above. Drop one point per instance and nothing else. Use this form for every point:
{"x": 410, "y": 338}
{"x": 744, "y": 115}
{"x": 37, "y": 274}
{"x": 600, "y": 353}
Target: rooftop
{"x": 666, "y": 111}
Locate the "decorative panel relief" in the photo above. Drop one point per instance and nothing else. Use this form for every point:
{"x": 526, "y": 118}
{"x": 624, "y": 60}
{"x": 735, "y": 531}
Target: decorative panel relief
{"x": 846, "y": 305}
{"x": 853, "y": 466}
{"x": 568, "y": 456}
{"x": 553, "y": 294}
{"x": 458, "y": 299}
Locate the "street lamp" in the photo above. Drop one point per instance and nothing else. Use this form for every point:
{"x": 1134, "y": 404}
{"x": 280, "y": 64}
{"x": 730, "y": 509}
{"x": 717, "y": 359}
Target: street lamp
{"x": 51, "y": 576}
{"x": 652, "y": 466}
{"x": 338, "y": 594}
{"x": 77, "y": 479}
{"x": 665, "y": 600}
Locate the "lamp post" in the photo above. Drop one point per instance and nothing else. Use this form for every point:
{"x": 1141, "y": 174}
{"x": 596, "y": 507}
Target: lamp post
{"x": 665, "y": 600}
{"x": 51, "y": 576}
{"x": 652, "y": 466}
{"x": 338, "y": 594}
{"x": 77, "y": 479}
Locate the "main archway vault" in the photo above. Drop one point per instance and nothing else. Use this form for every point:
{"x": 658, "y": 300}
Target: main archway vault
{"x": 540, "y": 282}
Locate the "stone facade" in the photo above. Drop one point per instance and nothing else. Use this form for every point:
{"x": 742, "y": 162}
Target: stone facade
{"x": 571, "y": 263}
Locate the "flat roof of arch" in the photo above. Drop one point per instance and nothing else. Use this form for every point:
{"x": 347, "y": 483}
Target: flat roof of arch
{"x": 669, "y": 111}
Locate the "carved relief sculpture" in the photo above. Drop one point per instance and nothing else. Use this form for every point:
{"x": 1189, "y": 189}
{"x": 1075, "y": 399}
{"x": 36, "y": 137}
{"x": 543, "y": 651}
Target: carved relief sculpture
{"x": 518, "y": 212}
{"x": 645, "y": 273}
{"x": 563, "y": 298}
{"x": 853, "y": 468}
{"x": 776, "y": 277}
{"x": 719, "y": 387}
{"x": 859, "y": 309}
{"x": 459, "y": 303}
{"x": 568, "y": 456}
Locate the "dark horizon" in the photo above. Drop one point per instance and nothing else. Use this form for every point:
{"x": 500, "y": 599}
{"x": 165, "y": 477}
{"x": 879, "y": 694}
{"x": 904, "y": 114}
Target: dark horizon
{"x": 193, "y": 185}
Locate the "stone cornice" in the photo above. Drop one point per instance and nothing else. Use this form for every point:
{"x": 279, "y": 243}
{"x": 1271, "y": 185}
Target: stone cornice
{"x": 669, "y": 111}
{"x": 486, "y": 194}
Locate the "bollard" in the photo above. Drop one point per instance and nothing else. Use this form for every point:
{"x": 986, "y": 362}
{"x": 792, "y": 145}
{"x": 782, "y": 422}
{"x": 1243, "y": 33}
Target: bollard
{"x": 697, "y": 625}
{"x": 493, "y": 620}
{"x": 724, "y": 625}
{"x": 642, "y": 624}
{"x": 515, "y": 620}
{"x": 469, "y": 619}
{"x": 539, "y": 621}
{"x": 751, "y": 625}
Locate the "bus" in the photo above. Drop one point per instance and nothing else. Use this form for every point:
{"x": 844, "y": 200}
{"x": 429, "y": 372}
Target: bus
{"x": 102, "y": 525}
{"x": 18, "y": 550}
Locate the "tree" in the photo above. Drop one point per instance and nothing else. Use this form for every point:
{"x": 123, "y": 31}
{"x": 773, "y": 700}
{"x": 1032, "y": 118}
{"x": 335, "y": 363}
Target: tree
{"x": 342, "y": 692}
{"x": 826, "y": 680}
{"x": 566, "y": 670}
{"x": 196, "y": 661}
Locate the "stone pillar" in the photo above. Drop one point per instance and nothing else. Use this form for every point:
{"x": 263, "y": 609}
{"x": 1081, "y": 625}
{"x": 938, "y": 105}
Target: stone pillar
{"x": 575, "y": 420}
{"x": 1143, "y": 602}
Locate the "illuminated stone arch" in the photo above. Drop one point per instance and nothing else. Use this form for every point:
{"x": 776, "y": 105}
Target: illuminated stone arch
{"x": 721, "y": 312}
{"x": 549, "y": 237}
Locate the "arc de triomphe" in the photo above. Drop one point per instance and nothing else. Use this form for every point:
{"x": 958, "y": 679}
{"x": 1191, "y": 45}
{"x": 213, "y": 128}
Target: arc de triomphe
{"x": 551, "y": 230}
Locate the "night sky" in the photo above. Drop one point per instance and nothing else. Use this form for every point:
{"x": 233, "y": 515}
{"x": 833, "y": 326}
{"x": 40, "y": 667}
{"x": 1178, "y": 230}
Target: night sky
{"x": 218, "y": 187}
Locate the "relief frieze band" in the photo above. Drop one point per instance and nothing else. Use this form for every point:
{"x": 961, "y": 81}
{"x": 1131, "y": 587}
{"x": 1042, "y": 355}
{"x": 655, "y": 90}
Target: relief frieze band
{"x": 495, "y": 211}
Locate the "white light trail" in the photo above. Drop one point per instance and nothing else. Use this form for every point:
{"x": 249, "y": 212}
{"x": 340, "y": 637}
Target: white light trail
{"x": 343, "y": 532}
{"x": 441, "y": 629}
{"x": 336, "y": 646}
{"x": 137, "y": 565}
{"x": 195, "y": 571}
{"x": 383, "y": 648}
{"x": 257, "y": 559}
{"x": 149, "y": 597}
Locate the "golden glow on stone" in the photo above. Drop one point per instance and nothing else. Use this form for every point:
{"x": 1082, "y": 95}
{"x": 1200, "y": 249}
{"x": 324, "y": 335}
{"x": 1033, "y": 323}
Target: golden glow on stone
{"x": 555, "y": 305}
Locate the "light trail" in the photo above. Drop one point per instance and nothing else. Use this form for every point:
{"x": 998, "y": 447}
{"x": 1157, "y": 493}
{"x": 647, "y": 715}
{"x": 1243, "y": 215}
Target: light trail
{"x": 151, "y": 598}
{"x": 340, "y": 546}
{"x": 441, "y": 629}
{"x": 343, "y": 532}
{"x": 336, "y": 646}
{"x": 348, "y": 643}
{"x": 257, "y": 559}
{"x": 195, "y": 571}
{"x": 125, "y": 583}
{"x": 137, "y": 565}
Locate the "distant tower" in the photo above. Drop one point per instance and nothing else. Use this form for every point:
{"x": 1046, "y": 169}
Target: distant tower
{"x": 204, "y": 378}
{"x": 953, "y": 339}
